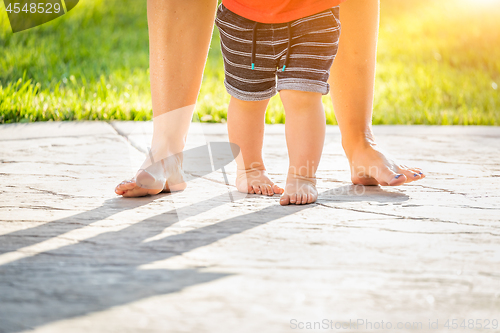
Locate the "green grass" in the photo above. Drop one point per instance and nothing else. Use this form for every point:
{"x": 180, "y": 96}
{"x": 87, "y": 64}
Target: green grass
{"x": 438, "y": 63}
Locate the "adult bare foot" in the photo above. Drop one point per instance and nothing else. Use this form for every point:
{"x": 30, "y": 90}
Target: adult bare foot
{"x": 145, "y": 182}
{"x": 299, "y": 190}
{"x": 130, "y": 189}
{"x": 372, "y": 166}
{"x": 256, "y": 181}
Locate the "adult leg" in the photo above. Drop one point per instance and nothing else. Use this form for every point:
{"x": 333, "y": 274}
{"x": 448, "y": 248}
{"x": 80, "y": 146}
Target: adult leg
{"x": 179, "y": 38}
{"x": 305, "y": 137}
{"x": 352, "y": 83}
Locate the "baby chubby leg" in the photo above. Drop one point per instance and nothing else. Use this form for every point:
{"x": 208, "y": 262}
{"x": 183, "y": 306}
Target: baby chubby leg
{"x": 245, "y": 123}
{"x": 305, "y": 136}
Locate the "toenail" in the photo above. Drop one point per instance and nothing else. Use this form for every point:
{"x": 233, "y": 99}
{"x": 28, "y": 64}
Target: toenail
{"x": 420, "y": 173}
{"x": 415, "y": 175}
{"x": 397, "y": 176}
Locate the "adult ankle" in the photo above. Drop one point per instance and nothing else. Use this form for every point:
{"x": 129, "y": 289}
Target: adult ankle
{"x": 250, "y": 169}
{"x": 350, "y": 143}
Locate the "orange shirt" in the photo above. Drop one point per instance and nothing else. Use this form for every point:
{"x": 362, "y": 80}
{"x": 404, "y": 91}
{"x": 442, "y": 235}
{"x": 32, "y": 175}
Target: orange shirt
{"x": 278, "y": 11}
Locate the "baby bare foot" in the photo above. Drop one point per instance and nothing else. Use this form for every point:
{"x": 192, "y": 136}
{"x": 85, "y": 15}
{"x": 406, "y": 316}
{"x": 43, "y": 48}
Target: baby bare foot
{"x": 299, "y": 190}
{"x": 371, "y": 166}
{"x": 256, "y": 181}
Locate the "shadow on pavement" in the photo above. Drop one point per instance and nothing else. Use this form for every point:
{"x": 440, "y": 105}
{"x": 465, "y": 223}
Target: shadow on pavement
{"x": 26, "y": 237}
{"x": 360, "y": 193}
{"x": 103, "y": 271}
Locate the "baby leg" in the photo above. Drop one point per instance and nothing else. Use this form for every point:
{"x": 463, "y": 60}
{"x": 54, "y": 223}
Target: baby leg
{"x": 305, "y": 136}
{"x": 245, "y": 123}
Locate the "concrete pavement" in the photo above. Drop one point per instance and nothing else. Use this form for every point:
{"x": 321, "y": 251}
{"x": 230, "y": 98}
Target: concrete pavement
{"x": 74, "y": 257}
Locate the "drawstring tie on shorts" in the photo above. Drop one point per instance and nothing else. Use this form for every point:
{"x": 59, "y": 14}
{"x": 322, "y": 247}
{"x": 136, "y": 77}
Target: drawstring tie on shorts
{"x": 289, "y": 47}
{"x": 254, "y": 44}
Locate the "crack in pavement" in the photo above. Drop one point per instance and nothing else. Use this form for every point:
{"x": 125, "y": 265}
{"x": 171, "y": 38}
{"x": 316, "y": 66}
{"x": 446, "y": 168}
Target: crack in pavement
{"x": 38, "y": 207}
{"x": 55, "y": 193}
{"x": 36, "y": 175}
{"x": 402, "y": 216}
{"x": 47, "y": 162}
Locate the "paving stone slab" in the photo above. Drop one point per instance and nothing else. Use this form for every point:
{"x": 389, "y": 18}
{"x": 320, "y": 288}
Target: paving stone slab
{"x": 74, "y": 257}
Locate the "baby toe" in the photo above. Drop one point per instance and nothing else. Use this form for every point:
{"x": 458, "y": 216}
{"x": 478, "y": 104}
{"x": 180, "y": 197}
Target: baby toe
{"x": 285, "y": 200}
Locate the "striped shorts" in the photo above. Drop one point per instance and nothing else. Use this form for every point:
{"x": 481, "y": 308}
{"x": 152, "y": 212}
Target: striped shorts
{"x": 261, "y": 59}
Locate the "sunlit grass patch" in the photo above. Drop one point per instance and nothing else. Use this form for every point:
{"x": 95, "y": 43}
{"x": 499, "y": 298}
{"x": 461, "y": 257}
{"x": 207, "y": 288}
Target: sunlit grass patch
{"x": 438, "y": 63}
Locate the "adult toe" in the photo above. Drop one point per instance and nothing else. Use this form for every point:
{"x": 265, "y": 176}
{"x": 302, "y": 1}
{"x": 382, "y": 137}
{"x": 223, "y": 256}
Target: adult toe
{"x": 397, "y": 179}
{"x": 124, "y": 186}
{"x": 410, "y": 175}
{"x": 419, "y": 171}
{"x": 270, "y": 191}
{"x": 277, "y": 189}
{"x": 387, "y": 176}
{"x": 256, "y": 189}
{"x": 263, "y": 189}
